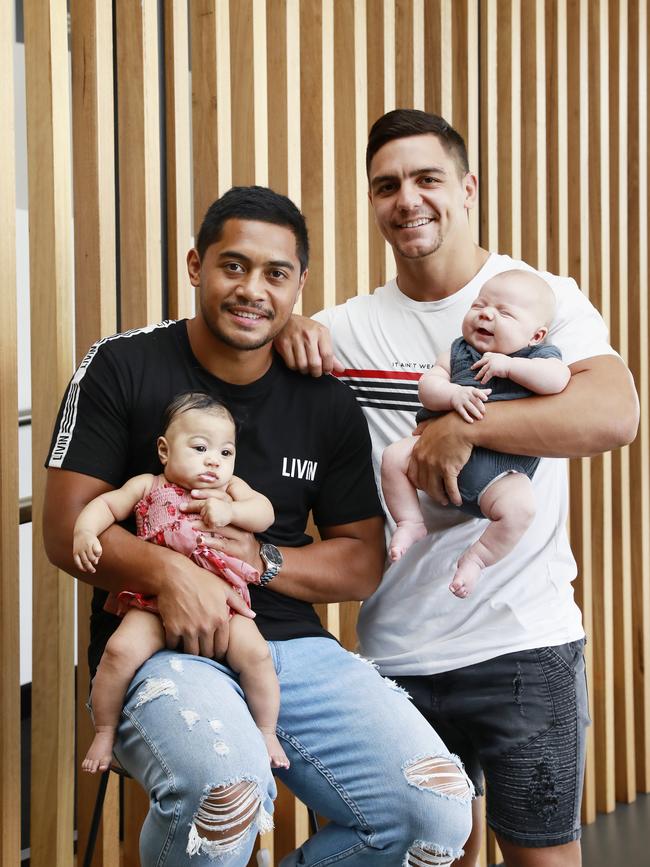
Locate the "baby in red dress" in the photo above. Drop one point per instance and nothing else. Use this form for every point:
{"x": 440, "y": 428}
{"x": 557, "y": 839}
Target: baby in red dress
{"x": 197, "y": 451}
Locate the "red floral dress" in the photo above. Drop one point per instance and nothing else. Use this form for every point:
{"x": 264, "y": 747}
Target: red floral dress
{"x": 159, "y": 520}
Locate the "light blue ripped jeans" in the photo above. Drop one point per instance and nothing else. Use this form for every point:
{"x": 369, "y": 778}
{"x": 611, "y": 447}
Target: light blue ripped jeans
{"x": 360, "y": 754}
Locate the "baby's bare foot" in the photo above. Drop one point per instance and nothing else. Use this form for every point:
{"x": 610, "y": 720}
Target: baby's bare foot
{"x": 468, "y": 571}
{"x": 277, "y": 755}
{"x": 100, "y": 754}
{"x": 406, "y": 534}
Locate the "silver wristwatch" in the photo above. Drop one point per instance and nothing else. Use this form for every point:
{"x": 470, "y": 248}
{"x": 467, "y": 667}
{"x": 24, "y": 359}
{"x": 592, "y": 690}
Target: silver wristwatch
{"x": 272, "y": 559}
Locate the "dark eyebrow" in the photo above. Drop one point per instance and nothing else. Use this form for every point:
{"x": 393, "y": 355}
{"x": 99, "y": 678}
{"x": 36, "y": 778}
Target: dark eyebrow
{"x": 432, "y": 170}
{"x": 275, "y": 263}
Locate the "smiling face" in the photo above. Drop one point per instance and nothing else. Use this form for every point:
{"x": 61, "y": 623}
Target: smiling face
{"x": 249, "y": 281}
{"x": 198, "y": 449}
{"x": 513, "y": 310}
{"x": 419, "y": 197}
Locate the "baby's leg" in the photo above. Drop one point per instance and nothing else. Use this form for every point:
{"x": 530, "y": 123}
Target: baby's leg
{"x": 509, "y": 503}
{"x": 401, "y": 497}
{"x": 139, "y": 636}
{"x": 248, "y": 655}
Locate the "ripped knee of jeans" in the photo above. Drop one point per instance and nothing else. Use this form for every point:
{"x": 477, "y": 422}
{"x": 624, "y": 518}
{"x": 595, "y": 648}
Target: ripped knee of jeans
{"x": 442, "y": 776}
{"x": 225, "y": 817}
{"x": 422, "y": 854}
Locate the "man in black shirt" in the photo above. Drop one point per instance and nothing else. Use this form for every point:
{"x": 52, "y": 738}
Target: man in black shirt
{"x": 360, "y": 754}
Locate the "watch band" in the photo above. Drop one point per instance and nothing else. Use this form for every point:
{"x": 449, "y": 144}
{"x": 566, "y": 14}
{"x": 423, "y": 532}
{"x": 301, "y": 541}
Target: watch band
{"x": 272, "y": 559}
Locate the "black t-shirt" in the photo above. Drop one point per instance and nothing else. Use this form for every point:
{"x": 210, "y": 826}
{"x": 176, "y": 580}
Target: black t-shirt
{"x": 302, "y": 442}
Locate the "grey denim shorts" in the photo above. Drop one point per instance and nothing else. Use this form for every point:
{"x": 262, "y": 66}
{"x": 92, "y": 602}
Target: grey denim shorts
{"x": 519, "y": 721}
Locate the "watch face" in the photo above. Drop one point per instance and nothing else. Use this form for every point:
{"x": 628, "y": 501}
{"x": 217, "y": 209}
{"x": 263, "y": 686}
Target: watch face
{"x": 271, "y": 554}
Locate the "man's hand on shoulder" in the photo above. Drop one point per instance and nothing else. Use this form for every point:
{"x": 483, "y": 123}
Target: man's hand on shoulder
{"x": 306, "y": 345}
{"x": 442, "y": 450}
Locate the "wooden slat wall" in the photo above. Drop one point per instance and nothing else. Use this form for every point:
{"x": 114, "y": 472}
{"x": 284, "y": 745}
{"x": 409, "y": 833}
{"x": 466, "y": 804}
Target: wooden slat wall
{"x": 621, "y": 518}
{"x": 93, "y": 125}
{"x": 552, "y": 97}
{"x": 51, "y": 303}
{"x": 9, "y": 567}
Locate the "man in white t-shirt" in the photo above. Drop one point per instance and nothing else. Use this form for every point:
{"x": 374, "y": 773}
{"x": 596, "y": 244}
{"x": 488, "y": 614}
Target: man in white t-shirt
{"x": 500, "y": 674}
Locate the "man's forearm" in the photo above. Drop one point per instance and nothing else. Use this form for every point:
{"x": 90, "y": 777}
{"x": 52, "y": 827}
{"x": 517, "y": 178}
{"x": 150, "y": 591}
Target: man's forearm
{"x": 596, "y": 412}
{"x": 337, "y": 569}
{"x": 127, "y": 563}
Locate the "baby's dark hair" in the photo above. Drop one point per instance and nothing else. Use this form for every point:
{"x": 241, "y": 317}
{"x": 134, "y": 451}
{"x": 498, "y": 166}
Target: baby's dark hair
{"x": 195, "y": 400}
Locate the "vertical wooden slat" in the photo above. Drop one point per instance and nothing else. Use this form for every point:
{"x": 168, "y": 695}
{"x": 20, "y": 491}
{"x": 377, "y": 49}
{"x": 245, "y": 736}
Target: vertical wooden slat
{"x": 404, "y": 54}
{"x": 507, "y": 162}
{"x": 363, "y": 226}
{"x": 139, "y": 162}
{"x": 600, "y": 506}
{"x": 375, "y": 78}
{"x": 10, "y": 790}
{"x": 293, "y": 102}
{"x": 432, "y": 58}
{"x": 283, "y": 99}
{"x": 50, "y": 225}
{"x": 178, "y": 202}
{"x": 278, "y": 109}
{"x": 533, "y": 135}
{"x": 418, "y": 54}
{"x": 556, "y": 137}
{"x": 95, "y": 288}
{"x": 242, "y": 61}
{"x": 488, "y": 165}
{"x": 208, "y": 168}
{"x": 437, "y": 57}
{"x": 639, "y": 360}
{"x": 330, "y": 264}
{"x": 311, "y": 119}
{"x": 140, "y": 228}
{"x": 390, "y": 101}
{"x": 291, "y": 823}
{"x": 464, "y": 65}
{"x": 578, "y": 263}
{"x": 643, "y": 589}
{"x": 623, "y": 696}
{"x": 346, "y": 150}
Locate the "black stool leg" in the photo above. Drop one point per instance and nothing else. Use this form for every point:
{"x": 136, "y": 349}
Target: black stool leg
{"x": 97, "y": 815}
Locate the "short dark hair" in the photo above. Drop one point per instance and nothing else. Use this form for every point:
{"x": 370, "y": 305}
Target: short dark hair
{"x": 254, "y": 203}
{"x": 194, "y": 400}
{"x": 404, "y": 122}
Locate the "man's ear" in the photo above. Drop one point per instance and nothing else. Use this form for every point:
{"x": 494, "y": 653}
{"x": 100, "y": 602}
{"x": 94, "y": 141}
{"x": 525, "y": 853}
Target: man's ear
{"x": 303, "y": 278}
{"x": 163, "y": 451}
{"x": 470, "y": 189}
{"x": 194, "y": 267}
{"x": 538, "y": 337}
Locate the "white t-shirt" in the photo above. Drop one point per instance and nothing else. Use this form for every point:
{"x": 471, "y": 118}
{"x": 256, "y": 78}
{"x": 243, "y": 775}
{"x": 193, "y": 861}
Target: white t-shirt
{"x": 413, "y": 624}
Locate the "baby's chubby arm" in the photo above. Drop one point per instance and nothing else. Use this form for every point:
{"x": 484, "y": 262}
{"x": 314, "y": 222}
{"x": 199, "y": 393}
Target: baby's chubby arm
{"x": 100, "y": 514}
{"x": 239, "y": 505}
{"x": 438, "y": 393}
{"x": 539, "y": 375}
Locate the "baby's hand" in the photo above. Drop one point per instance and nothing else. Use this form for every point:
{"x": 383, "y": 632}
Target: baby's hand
{"x": 216, "y": 513}
{"x": 86, "y": 550}
{"x": 469, "y": 402}
{"x": 492, "y": 364}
